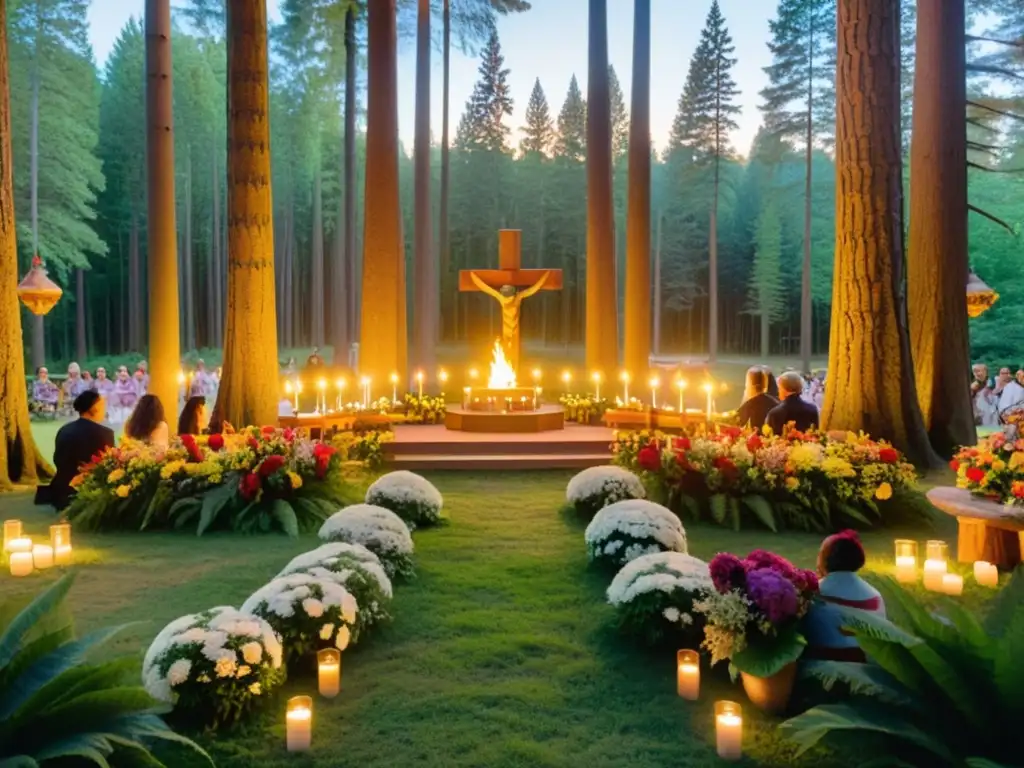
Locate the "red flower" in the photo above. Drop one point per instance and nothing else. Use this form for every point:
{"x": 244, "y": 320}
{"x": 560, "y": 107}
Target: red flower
{"x": 754, "y": 442}
{"x": 726, "y": 466}
{"x": 889, "y": 455}
{"x": 253, "y": 443}
{"x": 681, "y": 443}
{"x": 194, "y": 453}
{"x": 267, "y": 430}
{"x": 682, "y": 462}
{"x": 730, "y": 431}
{"x": 649, "y": 458}
{"x": 289, "y": 435}
{"x": 975, "y": 475}
{"x": 954, "y": 465}
{"x": 322, "y": 449}
{"x": 249, "y": 486}
{"x": 270, "y": 465}
{"x": 216, "y": 442}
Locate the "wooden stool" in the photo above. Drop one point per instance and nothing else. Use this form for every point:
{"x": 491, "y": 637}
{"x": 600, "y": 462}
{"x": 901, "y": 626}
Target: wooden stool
{"x": 986, "y": 530}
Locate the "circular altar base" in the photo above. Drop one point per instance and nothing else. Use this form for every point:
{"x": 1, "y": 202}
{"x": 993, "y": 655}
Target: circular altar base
{"x": 547, "y": 418}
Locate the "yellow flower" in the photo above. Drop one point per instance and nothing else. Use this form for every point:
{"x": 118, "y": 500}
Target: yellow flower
{"x": 792, "y": 483}
{"x": 170, "y": 469}
{"x": 295, "y": 480}
{"x": 123, "y": 491}
{"x": 837, "y": 467}
{"x": 883, "y": 492}
{"x": 1017, "y": 459}
{"x": 805, "y": 455}
{"x": 998, "y": 465}
{"x": 114, "y": 476}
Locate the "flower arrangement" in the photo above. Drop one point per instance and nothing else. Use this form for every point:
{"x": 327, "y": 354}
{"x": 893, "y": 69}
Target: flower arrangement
{"x": 753, "y": 612}
{"x": 358, "y": 570}
{"x": 308, "y": 612}
{"x": 583, "y": 409}
{"x": 597, "y": 487}
{"x": 811, "y": 480}
{"x": 993, "y": 469}
{"x": 627, "y": 529}
{"x": 254, "y": 480}
{"x": 654, "y": 594}
{"x": 410, "y": 496}
{"x": 379, "y": 530}
{"x": 214, "y": 666}
{"x": 424, "y": 410}
{"x": 363, "y": 447}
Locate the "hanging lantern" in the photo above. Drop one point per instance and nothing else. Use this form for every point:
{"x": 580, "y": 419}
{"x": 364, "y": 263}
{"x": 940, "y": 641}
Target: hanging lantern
{"x": 38, "y": 292}
{"x": 979, "y": 296}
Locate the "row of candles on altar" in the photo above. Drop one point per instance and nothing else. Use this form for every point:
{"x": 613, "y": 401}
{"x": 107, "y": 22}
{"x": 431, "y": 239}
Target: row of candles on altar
{"x": 25, "y": 556}
{"x": 728, "y": 714}
{"x": 935, "y": 575}
{"x": 299, "y": 709}
{"x": 294, "y": 389}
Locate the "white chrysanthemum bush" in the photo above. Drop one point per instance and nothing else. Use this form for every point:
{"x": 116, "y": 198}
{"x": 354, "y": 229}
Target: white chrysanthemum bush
{"x": 410, "y": 496}
{"x": 214, "y": 666}
{"x": 308, "y": 612}
{"x": 358, "y": 570}
{"x": 625, "y": 530}
{"x": 597, "y": 487}
{"x": 653, "y": 597}
{"x": 379, "y": 530}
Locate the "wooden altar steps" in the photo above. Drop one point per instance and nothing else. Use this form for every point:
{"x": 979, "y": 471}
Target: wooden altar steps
{"x": 434, "y": 447}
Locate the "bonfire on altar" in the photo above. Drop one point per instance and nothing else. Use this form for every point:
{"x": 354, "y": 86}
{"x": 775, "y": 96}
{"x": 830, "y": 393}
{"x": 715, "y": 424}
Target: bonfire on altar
{"x": 501, "y": 394}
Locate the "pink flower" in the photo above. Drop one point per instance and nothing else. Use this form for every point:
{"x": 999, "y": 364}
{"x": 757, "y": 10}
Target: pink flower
{"x": 727, "y": 572}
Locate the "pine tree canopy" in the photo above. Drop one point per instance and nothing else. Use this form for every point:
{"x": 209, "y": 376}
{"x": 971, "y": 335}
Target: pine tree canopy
{"x": 620, "y": 117}
{"x": 571, "y": 143}
{"x": 483, "y": 123}
{"x": 538, "y": 132}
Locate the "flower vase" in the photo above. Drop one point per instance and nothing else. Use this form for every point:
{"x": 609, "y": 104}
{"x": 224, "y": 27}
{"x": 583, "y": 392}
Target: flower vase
{"x": 771, "y": 694}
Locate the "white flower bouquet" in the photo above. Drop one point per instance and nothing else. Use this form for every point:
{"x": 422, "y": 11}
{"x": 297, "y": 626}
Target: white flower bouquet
{"x": 358, "y": 570}
{"x": 653, "y": 597}
{"x": 410, "y": 496}
{"x": 308, "y": 612}
{"x": 379, "y": 530}
{"x": 625, "y": 530}
{"x": 213, "y": 666}
{"x": 597, "y": 487}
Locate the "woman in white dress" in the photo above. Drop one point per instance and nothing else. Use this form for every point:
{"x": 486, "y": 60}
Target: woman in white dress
{"x": 147, "y": 423}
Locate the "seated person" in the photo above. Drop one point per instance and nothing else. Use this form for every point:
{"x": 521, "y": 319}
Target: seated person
{"x": 193, "y": 419}
{"x": 87, "y": 380}
{"x": 839, "y": 559}
{"x": 140, "y": 381}
{"x": 147, "y": 423}
{"x": 793, "y": 409}
{"x": 125, "y": 393}
{"x": 44, "y": 392}
{"x": 76, "y": 443}
{"x": 102, "y": 384}
{"x": 756, "y": 400}
{"x": 142, "y": 372}
{"x": 74, "y": 384}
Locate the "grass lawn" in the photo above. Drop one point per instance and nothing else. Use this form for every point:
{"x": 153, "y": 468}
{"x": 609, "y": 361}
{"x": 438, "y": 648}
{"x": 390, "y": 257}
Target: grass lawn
{"x": 502, "y": 652}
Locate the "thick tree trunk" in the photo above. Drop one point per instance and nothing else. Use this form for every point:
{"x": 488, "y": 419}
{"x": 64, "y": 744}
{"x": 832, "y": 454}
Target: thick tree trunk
{"x": 81, "y": 348}
{"x": 449, "y": 295}
{"x": 351, "y": 272}
{"x": 382, "y": 330}
{"x": 38, "y": 328}
{"x": 186, "y": 259}
{"x": 249, "y": 383}
{"x": 424, "y": 267}
{"x": 638, "y": 215}
{"x": 20, "y": 459}
{"x": 937, "y": 260}
{"x": 871, "y": 379}
{"x": 164, "y": 338}
{"x": 317, "y": 266}
{"x": 602, "y": 335}
{"x": 656, "y": 288}
{"x": 217, "y": 307}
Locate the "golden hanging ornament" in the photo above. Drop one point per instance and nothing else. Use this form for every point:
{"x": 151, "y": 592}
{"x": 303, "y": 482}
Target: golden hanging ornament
{"x": 37, "y": 291}
{"x": 979, "y": 296}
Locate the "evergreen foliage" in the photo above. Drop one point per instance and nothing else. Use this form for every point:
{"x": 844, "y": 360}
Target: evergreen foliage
{"x": 483, "y": 123}
{"x": 620, "y": 117}
{"x": 539, "y": 132}
{"x": 571, "y": 143}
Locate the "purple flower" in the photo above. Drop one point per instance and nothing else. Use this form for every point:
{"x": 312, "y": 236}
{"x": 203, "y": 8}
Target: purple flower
{"x": 773, "y": 594}
{"x": 760, "y": 558}
{"x": 727, "y": 572}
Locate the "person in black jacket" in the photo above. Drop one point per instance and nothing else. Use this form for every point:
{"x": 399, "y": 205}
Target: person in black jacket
{"x": 77, "y": 442}
{"x": 793, "y": 409}
{"x": 758, "y": 402}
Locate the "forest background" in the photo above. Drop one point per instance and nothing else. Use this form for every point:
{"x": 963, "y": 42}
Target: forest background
{"x": 79, "y": 152}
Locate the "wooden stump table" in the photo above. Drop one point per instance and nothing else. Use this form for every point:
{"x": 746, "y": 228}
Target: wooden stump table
{"x": 987, "y": 530}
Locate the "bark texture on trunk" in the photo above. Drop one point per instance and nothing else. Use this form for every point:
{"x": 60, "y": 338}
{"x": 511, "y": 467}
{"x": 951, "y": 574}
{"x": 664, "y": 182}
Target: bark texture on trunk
{"x": 249, "y": 384}
{"x": 38, "y": 327}
{"x": 382, "y": 330}
{"x": 871, "y": 379}
{"x": 602, "y": 335}
{"x": 351, "y": 302}
{"x": 637, "y": 341}
{"x": 218, "y": 258}
{"x": 937, "y": 259}
{"x": 447, "y": 279}
{"x": 424, "y": 266}
{"x": 20, "y": 459}
{"x": 317, "y": 266}
{"x": 164, "y": 338}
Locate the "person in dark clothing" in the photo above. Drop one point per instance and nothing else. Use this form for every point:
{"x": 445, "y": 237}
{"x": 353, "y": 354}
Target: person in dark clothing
{"x": 793, "y": 409}
{"x": 757, "y": 402}
{"x": 773, "y": 385}
{"x": 77, "y": 442}
{"x": 193, "y": 417}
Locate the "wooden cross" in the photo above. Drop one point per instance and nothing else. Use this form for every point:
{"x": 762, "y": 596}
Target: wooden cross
{"x": 509, "y": 271}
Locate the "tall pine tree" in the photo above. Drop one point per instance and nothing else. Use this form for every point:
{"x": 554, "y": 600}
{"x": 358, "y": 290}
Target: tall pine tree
{"x": 766, "y": 289}
{"x": 620, "y": 117}
{"x": 483, "y": 123}
{"x": 571, "y": 142}
{"x": 538, "y": 132}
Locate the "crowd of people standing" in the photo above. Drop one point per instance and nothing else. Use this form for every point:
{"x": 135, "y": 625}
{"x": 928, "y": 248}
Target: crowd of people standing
{"x": 997, "y": 400}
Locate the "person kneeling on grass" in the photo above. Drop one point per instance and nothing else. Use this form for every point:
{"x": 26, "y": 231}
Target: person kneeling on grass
{"x": 839, "y": 559}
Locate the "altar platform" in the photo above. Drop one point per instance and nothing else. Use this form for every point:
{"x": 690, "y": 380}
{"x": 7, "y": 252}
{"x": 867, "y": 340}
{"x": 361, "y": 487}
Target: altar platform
{"x": 435, "y": 447}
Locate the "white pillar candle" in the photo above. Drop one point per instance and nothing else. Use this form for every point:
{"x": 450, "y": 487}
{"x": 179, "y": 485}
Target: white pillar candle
{"x": 467, "y": 393}
{"x": 953, "y": 584}
{"x": 394, "y": 388}
{"x": 707, "y": 389}
{"x": 906, "y": 569}
{"x": 625, "y": 388}
{"x": 20, "y": 544}
{"x": 42, "y": 556}
{"x": 60, "y": 540}
{"x": 655, "y": 383}
{"x": 681, "y": 385}
{"x": 299, "y": 724}
{"x": 329, "y": 672}
{"x": 986, "y": 574}
{"x": 12, "y": 530}
{"x": 419, "y": 384}
{"x": 21, "y": 563}
{"x": 934, "y": 570}
{"x": 728, "y": 730}
{"x": 597, "y": 385}
{"x": 688, "y": 674}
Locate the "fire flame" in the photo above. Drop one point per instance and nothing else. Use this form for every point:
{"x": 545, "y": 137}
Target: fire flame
{"x": 502, "y": 374}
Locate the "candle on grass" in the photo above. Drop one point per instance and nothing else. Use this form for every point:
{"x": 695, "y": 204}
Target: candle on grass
{"x": 12, "y": 530}
{"x": 688, "y": 674}
{"x": 936, "y": 553}
{"x": 60, "y": 540}
{"x": 42, "y": 556}
{"x": 906, "y": 561}
{"x": 654, "y": 383}
{"x": 20, "y": 544}
{"x": 729, "y": 730}
{"x": 624, "y": 378}
{"x": 299, "y": 723}
{"x": 329, "y": 672}
{"x": 953, "y": 584}
{"x": 986, "y": 574}
{"x": 20, "y": 563}
{"x": 597, "y": 385}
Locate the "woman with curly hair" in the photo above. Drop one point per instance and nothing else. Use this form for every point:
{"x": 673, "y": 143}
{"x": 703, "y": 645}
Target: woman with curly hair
{"x": 147, "y": 423}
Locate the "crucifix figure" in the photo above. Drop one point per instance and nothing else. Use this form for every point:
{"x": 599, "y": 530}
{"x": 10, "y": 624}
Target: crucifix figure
{"x": 502, "y": 284}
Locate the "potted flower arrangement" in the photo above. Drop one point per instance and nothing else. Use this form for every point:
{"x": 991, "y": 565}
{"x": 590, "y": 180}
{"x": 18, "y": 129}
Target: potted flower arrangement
{"x": 753, "y": 616}
{"x": 994, "y": 470}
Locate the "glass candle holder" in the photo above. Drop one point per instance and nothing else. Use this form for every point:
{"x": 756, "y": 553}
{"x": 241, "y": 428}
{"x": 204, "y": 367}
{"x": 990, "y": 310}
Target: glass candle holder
{"x": 60, "y": 540}
{"x": 42, "y": 556}
{"x": 12, "y": 530}
{"x": 299, "y": 723}
{"x": 688, "y": 674}
{"x": 329, "y": 672}
{"x": 906, "y": 561}
{"x": 729, "y": 730}
{"x": 936, "y": 554}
